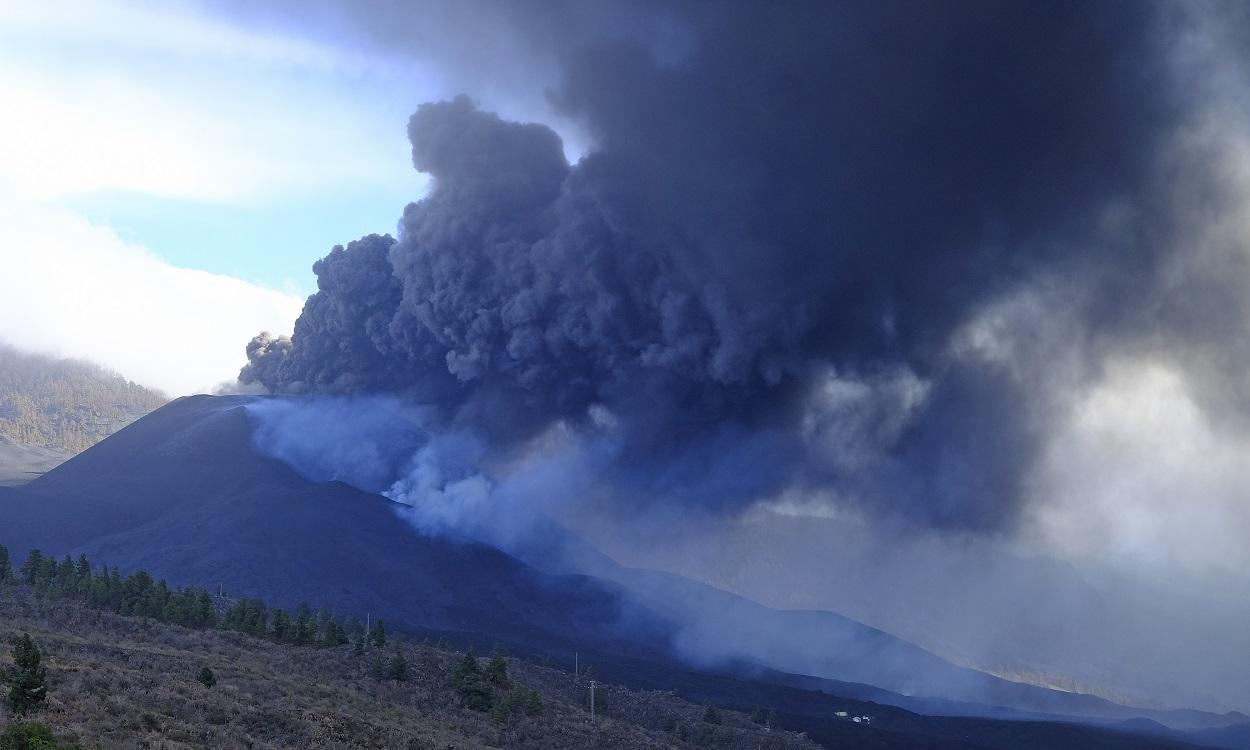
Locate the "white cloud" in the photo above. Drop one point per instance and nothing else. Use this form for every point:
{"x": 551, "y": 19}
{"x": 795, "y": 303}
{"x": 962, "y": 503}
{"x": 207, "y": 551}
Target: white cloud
{"x": 169, "y": 27}
{"x": 159, "y": 100}
{"x": 70, "y": 288}
{"x": 1138, "y": 477}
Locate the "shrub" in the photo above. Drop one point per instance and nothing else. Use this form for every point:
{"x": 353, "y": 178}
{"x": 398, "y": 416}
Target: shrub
{"x": 31, "y": 735}
{"x": 206, "y": 677}
{"x": 500, "y": 711}
{"x": 711, "y": 715}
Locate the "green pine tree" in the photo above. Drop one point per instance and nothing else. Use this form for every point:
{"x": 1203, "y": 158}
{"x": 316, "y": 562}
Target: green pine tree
{"x": 304, "y": 630}
{"x": 533, "y": 703}
{"x": 398, "y": 670}
{"x": 465, "y": 669}
{"x": 6, "y": 565}
{"x": 27, "y": 680}
{"x": 281, "y": 626}
{"x": 466, "y": 678}
{"x": 84, "y": 568}
{"x": 497, "y": 669}
{"x": 33, "y": 567}
{"x": 377, "y": 635}
{"x": 334, "y": 635}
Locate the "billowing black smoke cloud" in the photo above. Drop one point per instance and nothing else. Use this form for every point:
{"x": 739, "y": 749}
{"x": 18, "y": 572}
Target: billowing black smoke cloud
{"x": 752, "y": 282}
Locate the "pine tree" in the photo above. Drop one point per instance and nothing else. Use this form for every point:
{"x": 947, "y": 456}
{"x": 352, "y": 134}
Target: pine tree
{"x": 398, "y": 670}
{"x": 466, "y": 678}
{"x": 533, "y": 703}
{"x": 6, "y": 565}
{"x": 281, "y": 625}
{"x": 304, "y": 631}
{"x": 711, "y": 715}
{"x": 465, "y": 669}
{"x": 66, "y": 576}
{"x": 27, "y": 680}
{"x": 377, "y": 635}
{"x": 515, "y": 700}
{"x": 33, "y": 567}
{"x": 500, "y": 711}
{"x": 206, "y": 677}
{"x": 497, "y": 669}
{"x": 334, "y": 635}
{"x": 377, "y": 669}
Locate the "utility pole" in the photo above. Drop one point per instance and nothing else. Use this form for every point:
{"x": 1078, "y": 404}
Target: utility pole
{"x": 576, "y": 667}
{"x": 593, "y": 685}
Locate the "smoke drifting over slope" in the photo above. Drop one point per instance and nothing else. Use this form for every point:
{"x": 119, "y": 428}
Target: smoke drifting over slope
{"x": 868, "y": 252}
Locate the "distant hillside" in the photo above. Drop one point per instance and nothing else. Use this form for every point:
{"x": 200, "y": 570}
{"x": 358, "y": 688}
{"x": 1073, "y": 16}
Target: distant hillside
{"x": 65, "y": 405}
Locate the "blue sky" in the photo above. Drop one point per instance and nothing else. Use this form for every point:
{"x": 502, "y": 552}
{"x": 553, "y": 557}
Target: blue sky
{"x": 180, "y": 145}
{"x": 272, "y": 245}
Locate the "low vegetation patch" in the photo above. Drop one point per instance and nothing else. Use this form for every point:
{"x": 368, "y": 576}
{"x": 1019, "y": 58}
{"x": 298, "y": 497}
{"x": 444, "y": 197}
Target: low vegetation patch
{"x": 128, "y": 662}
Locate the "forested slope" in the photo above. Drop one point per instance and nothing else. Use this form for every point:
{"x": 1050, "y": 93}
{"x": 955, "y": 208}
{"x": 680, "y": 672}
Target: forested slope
{"x": 66, "y": 405}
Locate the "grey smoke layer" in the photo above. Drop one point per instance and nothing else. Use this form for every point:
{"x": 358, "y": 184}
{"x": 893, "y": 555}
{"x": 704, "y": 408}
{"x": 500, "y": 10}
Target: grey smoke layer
{"x": 772, "y": 271}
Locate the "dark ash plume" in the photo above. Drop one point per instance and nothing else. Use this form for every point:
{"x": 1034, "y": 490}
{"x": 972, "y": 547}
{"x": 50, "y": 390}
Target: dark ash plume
{"x": 797, "y": 200}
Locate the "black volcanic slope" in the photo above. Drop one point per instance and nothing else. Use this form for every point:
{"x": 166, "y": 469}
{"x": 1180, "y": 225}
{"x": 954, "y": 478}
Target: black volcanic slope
{"x": 183, "y": 494}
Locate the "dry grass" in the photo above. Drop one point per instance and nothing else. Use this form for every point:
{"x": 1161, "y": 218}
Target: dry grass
{"x": 119, "y": 682}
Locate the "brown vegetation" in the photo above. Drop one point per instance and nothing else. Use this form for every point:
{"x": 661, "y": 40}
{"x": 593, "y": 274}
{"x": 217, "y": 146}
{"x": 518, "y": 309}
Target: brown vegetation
{"x": 127, "y": 682}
